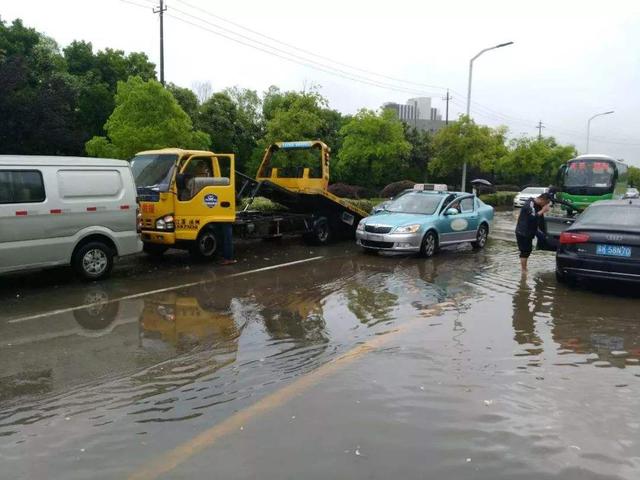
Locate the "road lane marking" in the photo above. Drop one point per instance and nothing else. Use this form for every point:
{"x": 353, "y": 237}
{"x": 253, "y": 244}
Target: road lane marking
{"x": 172, "y": 459}
{"x": 162, "y": 290}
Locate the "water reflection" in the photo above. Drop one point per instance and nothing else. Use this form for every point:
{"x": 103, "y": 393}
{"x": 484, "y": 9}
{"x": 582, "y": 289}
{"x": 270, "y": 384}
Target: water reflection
{"x": 526, "y": 302}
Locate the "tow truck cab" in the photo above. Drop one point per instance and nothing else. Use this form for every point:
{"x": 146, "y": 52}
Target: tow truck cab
{"x": 183, "y": 195}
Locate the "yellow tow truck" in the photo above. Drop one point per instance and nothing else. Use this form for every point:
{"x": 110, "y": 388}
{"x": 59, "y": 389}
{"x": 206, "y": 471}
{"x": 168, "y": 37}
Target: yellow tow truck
{"x": 184, "y": 195}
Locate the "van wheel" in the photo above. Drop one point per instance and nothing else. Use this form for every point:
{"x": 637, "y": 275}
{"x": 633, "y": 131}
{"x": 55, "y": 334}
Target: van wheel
{"x": 206, "y": 245}
{"x": 154, "y": 250}
{"x": 429, "y": 245}
{"x": 321, "y": 233}
{"x": 481, "y": 237}
{"x": 93, "y": 261}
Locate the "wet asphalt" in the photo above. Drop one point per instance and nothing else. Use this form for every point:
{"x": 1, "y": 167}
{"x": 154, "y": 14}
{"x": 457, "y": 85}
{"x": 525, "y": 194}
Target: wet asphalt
{"x": 320, "y": 362}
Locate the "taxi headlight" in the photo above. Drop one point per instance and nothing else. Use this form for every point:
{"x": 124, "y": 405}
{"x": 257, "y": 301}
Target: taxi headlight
{"x": 407, "y": 229}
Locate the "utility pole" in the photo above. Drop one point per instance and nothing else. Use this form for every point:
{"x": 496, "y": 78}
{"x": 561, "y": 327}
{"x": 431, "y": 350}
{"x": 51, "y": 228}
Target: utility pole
{"x": 540, "y": 126}
{"x": 447, "y": 98}
{"x": 161, "y": 9}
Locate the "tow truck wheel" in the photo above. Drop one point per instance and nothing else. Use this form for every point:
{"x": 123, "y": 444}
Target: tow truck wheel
{"x": 154, "y": 249}
{"x": 206, "y": 245}
{"x": 321, "y": 233}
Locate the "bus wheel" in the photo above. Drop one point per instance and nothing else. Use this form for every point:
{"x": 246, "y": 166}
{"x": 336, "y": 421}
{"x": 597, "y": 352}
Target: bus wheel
{"x": 321, "y": 233}
{"x": 206, "y": 245}
{"x": 153, "y": 249}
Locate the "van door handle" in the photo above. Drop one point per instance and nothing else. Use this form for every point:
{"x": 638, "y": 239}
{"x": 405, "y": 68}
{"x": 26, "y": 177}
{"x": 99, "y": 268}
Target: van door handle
{"x": 225, "y": 204}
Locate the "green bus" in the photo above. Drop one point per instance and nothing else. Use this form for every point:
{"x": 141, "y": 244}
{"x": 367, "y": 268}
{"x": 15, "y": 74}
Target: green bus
{"x": 589, "y": 178}
{"x": 582, "y": 181}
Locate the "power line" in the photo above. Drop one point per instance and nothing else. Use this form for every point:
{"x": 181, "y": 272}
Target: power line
{"x": 480, "y": 109}
{"x": 292, "y": 57}
{"x": 294, "y": 47}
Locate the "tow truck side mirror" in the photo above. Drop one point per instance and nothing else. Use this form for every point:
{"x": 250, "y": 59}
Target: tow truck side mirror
{"x": 181, "y": 180}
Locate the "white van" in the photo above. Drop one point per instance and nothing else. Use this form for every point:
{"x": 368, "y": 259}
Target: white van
{"x": 66, "y": 210}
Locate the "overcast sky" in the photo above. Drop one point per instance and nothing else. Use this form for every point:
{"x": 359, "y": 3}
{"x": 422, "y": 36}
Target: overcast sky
{"x": 571, "y": 59}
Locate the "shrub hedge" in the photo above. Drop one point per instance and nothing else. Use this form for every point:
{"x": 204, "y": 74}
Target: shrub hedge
{"x": 500, "y": 199}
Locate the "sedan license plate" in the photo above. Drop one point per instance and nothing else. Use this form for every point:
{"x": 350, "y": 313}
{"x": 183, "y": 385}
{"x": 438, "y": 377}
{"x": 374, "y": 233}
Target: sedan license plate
{"x": 613, "y": 250}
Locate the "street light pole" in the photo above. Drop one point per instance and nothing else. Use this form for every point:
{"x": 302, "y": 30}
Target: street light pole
{"x": 464, "y": 166}
{"x": 589, "y": 126}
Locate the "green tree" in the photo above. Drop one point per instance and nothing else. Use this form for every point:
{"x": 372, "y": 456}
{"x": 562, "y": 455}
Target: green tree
{"x": 291, "y": 116}
{"x": 187, "y": 100}
{"x": 465, "y": 141}
{"x": 421, "y": 153}
{"x": 146, "y": 116}
{"x": 533, "y": 161}
{"x": 634, "y": 177}
{"x": 219, "y": 118}
{"x": 37, "y": 96}
{"x": 374, "y": 150}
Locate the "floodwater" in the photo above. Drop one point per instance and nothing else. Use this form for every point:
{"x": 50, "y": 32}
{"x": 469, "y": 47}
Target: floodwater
{"x": 343, "y": 366}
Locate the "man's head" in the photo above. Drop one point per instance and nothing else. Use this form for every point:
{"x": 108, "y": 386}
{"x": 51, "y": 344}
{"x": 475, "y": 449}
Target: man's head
{"x": 543, "y": 199}
{"x": 203, "y": 170}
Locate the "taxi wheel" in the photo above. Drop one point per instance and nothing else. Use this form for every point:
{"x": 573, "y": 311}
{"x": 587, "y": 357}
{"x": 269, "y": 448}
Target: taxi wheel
{"x": 206, "y": 245}
{"x": 429, "y": 245}
{"x": 481, "y": 237}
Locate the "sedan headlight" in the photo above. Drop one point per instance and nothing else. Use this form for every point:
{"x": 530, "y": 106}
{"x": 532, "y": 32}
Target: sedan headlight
{"x": 360, "y": 226}
{"x": 407, "y": 229}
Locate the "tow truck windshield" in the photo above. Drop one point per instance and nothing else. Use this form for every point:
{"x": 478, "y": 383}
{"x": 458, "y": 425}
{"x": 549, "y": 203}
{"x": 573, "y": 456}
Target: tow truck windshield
{"x": 153, "y": 172}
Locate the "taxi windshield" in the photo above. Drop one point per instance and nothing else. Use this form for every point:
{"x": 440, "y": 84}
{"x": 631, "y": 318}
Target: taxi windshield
{"x": 422, "y": 203}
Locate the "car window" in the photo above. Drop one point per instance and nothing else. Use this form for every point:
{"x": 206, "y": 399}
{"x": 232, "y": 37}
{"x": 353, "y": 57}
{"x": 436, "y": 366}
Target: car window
{"x": 611, "y": 216}
{"x": 21, "y": 186}
{"x": 466, "y": 205}
{"x": 533, "y": 190}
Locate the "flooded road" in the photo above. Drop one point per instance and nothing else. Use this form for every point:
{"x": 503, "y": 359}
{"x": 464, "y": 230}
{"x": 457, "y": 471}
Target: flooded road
{"x": 320, "y": 363}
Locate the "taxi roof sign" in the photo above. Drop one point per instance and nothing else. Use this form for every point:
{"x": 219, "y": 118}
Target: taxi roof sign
{"x": 436, "y": 187}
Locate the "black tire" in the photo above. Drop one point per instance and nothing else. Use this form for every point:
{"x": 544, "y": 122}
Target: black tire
{"x": 481, "y": 237}
{"x": 154, "y": 250}
{"x": 321, "y": 233}
{"x": 206, "y": 246}
{"x": 565, "y": 278}
{"x": 429, "y": 244}
{"x": 93, "y": 261}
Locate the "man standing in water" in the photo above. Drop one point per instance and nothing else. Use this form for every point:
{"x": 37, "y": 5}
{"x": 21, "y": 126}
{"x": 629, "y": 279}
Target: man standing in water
{"x": 530, "y": 214}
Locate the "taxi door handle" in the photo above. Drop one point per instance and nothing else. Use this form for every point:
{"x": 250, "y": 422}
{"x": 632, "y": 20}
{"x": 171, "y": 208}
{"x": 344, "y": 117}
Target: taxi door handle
{"x": 225, "y": 204}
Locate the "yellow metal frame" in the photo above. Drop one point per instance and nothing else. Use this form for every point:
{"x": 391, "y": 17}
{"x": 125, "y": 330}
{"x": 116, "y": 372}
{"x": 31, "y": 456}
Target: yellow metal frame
{"x": 304, "y": 184}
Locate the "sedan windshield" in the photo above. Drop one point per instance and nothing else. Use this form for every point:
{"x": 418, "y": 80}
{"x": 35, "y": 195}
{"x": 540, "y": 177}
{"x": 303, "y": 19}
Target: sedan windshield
{"x": 533, "y": 191}
{"x": 153, "y": 171}
{"x": 611, "y": 217}
{"x": 422, "y": 203}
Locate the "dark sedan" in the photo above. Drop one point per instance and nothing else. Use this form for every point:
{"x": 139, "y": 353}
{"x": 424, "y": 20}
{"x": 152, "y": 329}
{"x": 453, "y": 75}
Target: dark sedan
{"x": 603, "y": 243}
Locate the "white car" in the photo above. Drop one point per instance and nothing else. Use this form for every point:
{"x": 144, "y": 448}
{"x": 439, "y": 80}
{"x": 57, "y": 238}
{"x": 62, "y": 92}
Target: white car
{"x": 526, "y": 194}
